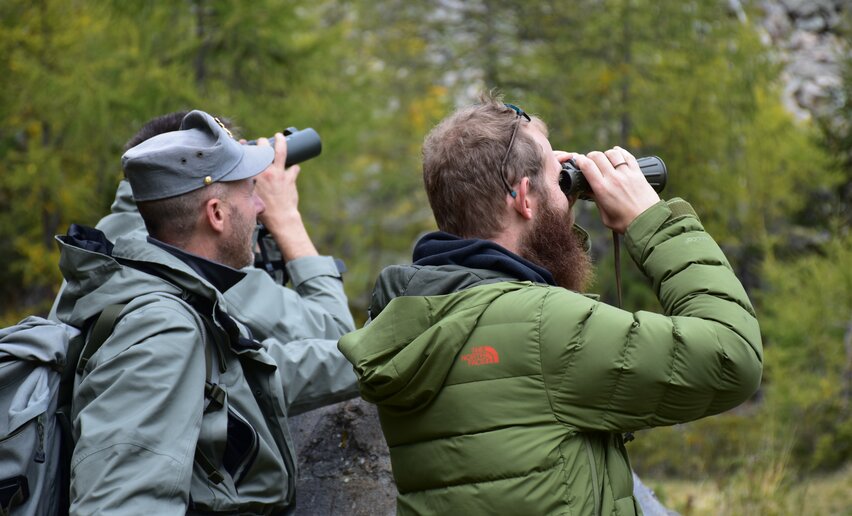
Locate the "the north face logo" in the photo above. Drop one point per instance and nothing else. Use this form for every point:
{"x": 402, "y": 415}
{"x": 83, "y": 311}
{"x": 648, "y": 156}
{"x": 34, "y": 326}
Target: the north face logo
{"x": 481, "y": 355}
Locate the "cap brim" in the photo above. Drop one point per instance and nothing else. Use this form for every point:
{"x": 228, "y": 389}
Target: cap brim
{"x": 254, "y": 161}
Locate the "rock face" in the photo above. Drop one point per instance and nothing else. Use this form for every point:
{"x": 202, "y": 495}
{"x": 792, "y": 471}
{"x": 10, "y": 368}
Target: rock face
{"x": 344, "y": 464}
{"x": 806, "y": 38}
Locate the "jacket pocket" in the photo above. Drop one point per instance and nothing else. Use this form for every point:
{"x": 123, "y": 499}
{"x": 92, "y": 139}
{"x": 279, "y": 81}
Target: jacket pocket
{"x": 241, "y": 447}
{"x": 28, "y": 467}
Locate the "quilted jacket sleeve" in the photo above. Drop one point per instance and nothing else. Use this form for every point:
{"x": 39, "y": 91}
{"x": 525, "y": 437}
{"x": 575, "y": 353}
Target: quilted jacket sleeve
{"x": 613, "y": 370}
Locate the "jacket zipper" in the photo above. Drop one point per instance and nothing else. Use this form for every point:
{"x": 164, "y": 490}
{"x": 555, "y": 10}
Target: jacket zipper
{"x": 594, "y": 469}
{"x": 39, "y": 456}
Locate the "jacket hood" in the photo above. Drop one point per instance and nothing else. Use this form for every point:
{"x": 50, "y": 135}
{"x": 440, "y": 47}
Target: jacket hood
{"x": 100, "y": 273}
{"x": 124, "y": 218}
{"x": 428, "y": 280}
{"x": 441, "y": 248}
{"x": 124, "y": 201}
{"x": 403, "y": 357}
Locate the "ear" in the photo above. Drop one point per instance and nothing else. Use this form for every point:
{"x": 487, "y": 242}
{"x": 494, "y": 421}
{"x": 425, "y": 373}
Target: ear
{"x": 522, "y": 203}
{"x": 214, "y": 214}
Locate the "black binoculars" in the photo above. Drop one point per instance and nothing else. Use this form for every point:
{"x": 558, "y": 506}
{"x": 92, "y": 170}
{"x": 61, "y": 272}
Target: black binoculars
{"x": 572, "y": 182}
{"x": 302, "y": 145}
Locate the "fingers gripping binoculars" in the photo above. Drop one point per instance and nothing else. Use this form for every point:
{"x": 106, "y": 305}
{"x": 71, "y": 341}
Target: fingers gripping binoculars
{"x": 302, "y": 145}
{"x": 572, "y": 182}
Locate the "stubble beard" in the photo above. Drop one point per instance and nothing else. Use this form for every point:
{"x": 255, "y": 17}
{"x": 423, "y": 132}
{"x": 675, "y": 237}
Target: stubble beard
{"x": 236, "y": 249}
{"x": 553, "y": 244}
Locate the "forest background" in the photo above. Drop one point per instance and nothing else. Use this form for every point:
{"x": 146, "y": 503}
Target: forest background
{"x": 689, "y": 80}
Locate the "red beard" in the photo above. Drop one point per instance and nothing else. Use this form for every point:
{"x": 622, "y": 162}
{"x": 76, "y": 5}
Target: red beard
{"x": 553, "y": 244}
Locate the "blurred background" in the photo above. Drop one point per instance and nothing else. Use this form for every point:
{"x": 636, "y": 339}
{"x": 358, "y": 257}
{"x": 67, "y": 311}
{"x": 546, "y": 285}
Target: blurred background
{"x": 749, "y": 102}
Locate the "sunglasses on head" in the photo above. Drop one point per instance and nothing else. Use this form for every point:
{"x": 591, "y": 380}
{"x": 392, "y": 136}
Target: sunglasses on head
{"x": 520, "y": 114}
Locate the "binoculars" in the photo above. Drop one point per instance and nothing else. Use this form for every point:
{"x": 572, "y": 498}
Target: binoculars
{"x": 572, "y": 182}
{"x": 302, "y": 145}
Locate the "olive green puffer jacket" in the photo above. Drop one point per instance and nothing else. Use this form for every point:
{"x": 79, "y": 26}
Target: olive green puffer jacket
{"x": 506, "y": 397}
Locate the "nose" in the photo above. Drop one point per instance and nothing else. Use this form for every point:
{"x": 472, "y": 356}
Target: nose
{"x": 259, "y": 206}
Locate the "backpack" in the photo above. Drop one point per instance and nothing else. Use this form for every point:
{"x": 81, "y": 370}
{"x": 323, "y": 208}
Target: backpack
{"x": 32, "y": 354}
{"x": 39, "y": 360}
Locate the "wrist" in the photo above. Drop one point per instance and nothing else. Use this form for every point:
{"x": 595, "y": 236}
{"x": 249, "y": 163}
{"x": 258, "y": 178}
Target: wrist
{"x": 293, "y": 240}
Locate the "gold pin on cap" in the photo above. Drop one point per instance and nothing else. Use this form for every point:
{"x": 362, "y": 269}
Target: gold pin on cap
{"x": 223, "y": 127}
{"x": 208, "y": 180}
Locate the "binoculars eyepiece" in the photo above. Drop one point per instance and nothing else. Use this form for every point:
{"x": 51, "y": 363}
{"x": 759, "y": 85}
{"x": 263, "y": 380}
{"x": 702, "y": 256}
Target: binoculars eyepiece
{"x": 572, "y": 182}
{"x": 302, "y": 145}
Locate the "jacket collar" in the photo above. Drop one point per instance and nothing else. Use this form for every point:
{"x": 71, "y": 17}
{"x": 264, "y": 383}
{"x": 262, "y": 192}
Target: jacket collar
{"x": 219, "y": 275}
{"x": 100, "y": 274}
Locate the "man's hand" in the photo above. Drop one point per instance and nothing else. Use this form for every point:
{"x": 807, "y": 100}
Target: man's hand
{"x": 618, "y": 186}
{"x": 276, "y": 186}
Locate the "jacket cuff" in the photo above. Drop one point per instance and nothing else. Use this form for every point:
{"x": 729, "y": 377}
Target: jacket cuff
{"x": 643, "y": 227}
{"x": 649, "y": 222}
{"x": 680, "y": 208}
{"x": 309, "y": 267}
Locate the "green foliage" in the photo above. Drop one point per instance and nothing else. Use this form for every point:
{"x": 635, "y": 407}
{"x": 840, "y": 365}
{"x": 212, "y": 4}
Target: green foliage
{"x": 48, "y": 172}
{"x": 808, "y": 333}
{"x": 713, "y": 447}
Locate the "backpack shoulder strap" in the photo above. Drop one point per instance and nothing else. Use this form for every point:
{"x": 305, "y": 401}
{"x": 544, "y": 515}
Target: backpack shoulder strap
{"x": 80, "y": 350}
{"x": 100, "y": 332}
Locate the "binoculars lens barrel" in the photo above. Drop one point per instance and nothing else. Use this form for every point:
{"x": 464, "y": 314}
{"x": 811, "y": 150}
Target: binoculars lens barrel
{"x": 302, "y": 145}
{"x": 572, "y": 182}
{"x": 654, "y": 170}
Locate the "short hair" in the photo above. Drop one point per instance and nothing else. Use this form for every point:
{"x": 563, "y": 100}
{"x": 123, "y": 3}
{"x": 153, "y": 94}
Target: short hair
{"x": 166, "y": 124}
{"x": 174, "y": 219}
{"x": 157, "y": 125}
{"x": 461, "y": 166}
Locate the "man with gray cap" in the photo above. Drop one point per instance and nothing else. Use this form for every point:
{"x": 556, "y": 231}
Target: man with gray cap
{"x": 315, "y": 306}
{"x": 183, "y": 408}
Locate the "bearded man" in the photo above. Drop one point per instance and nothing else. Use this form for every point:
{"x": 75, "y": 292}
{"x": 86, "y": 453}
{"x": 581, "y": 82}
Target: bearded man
{"x": 501, "y": 387}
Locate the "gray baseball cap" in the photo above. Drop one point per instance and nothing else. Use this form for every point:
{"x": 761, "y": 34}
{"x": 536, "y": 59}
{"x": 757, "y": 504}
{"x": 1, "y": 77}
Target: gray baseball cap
{"x": 200, "y": 153}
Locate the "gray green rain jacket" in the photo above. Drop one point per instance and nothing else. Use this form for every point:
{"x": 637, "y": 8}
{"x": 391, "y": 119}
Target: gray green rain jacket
{"x": 139, "y": 406}
{"x": 508, "y": 397}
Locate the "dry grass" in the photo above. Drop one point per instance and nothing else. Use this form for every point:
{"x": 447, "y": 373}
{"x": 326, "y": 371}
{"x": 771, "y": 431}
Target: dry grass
{"x": 759, "y": 492}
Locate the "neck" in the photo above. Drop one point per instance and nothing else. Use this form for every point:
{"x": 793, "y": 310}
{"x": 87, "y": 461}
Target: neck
{"x": 508, "y": 240}
{"x": 511, "y": 236}
{"x": 202, "y": 247}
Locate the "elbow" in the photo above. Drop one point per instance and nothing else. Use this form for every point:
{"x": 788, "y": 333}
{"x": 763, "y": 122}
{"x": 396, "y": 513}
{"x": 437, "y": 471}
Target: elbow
{"x": 749, "y": 373}
{"x": 742, "y": 371}
{"x": 748, "y": 361}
